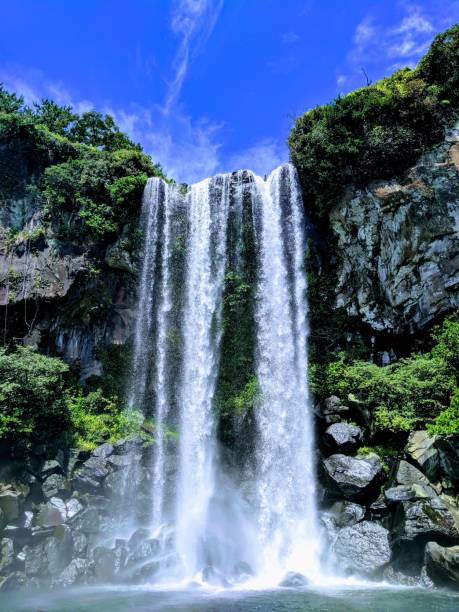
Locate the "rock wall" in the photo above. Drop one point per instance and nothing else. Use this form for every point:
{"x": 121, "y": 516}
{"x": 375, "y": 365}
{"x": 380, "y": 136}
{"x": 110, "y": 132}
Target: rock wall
{"x": 397, "y": 245}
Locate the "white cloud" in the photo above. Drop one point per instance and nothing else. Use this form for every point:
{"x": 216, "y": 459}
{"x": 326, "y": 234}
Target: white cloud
{"x": 379, "y": 47}
{"x": 193, "y": 22}
{"x": 261, "y": 158}
{"x": 290, "y": 38}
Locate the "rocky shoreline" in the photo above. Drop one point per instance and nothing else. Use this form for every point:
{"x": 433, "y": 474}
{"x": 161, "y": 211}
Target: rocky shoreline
{"x": 397, "y": 523}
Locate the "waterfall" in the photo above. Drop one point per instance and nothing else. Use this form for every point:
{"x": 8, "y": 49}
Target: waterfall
{"x": 208, "y": 204}
{"x": 285, "y": 479}
{"x": 226, "y": 514}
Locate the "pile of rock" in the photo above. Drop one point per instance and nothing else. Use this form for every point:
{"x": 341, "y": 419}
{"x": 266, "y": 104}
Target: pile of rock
{"x": 55, "y": 513}
{"x": 399, "y": 522}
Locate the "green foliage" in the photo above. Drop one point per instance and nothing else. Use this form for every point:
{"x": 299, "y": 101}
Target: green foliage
{"x": 408, "y": 394}
{"x": 244, "y": 401}
{"x": 440, "y": 65}
{"x": 10, "y": 102}
{"x": 93, "y": 128}
{"x": 32, "y": 406}
{"x": 85, "y": 172}
{"x": 56, "y": 118}
{"x": 447, "y": 422}
{"x": 95, "y": 417}
{"x": 376, "y": 131}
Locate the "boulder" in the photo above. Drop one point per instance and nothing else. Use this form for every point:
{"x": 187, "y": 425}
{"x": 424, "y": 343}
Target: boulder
{"x": 408, "y": 492}
{"x": 10, "y": 503}
{"x": 442, "y": 564}
{"x": 54, "y": 485}
{"x": 6, "y": 555}
{"x": 75, "y": 572}
{"x": 422, "y": 520}
{"x": 86, "y": 522}
{"x": 448, "y": 449}
{"x": 139, "y": 536}
{"x": 293, "y": 580}
{"x": 49, "y": 557}
{"x": 104, "y": 451}
{"x": 12, "y": 582}
{"x": 110, "y": 563}
{"x": 352, "y": 478}
{"x": 406, "y": 474}
{"x": 421, "y": 448}
{"x": 57, "y": 512}
{"x": 343, "y": 437}
{"x": 95, "y": 468}
{"x": 332, "y": 410}
{"x": 50, "y": 467}
{"x": 120, "y": 461}
{"x": 345, "y": 513}
{"x": 363, "y": 548}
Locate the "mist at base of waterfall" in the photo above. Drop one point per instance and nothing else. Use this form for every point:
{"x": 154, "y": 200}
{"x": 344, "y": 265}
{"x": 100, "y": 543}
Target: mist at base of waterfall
{"x": 110, "y": 599}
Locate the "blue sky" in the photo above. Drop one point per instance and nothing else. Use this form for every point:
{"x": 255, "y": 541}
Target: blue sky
{"x": 209, "y": 85}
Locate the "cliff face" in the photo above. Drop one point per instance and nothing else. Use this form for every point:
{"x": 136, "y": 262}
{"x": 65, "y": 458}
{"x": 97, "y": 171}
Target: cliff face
{"x": 59, "y": 297}
{"x": 397, "y": 244}
{"x": 396, "y": 257}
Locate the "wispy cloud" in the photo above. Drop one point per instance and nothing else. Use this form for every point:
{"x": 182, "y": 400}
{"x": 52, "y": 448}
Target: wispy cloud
{"x": 290, "y": 38}
{"x": 261, "y": 157}
{"x": 378, "y": 49}
{"x": 33, "y": 85}
{"x": 193, "y": 22}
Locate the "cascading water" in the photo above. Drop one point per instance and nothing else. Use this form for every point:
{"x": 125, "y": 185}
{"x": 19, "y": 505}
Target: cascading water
{"x": 285, "y": 479}
{"x": 222, "y": 524}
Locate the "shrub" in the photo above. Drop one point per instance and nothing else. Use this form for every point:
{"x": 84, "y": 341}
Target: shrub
{"x": 447, "y": 422}
{"x": 32, "y": 406}
{"x": 95, "y": 417}
{"x": 379, "y": 130}
{"x": 408, "y": 394}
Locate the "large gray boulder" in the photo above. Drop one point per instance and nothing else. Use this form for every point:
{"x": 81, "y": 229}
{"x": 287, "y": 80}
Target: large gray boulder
{"x": 10, "y": 502}
{"x": 421, "y": 448}
{"x": 343, "y": 437}
{"x": 332, "y": 410}
{"x": 352, "y": 478}
{"x": 448, "y": 449}
{"x": 75, "y": 573}
{"x": 442, "y": 564}
{"x": 6, "y": 555}
{"x": 422, "y": 520}
{"x": 363, "y": 548}
{"x": 346, "y": 513}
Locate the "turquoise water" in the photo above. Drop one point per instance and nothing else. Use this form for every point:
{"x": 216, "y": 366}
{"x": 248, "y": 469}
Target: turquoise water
{"x": 279, "y": 600}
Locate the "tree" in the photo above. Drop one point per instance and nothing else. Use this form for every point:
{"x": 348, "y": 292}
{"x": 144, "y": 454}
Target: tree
{"x": 32, "y": 406}
{"x": 56, "y": 118}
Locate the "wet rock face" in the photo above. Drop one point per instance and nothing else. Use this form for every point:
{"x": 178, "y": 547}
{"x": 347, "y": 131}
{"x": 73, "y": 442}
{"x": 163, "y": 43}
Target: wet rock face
{"x": 423, "y": 520}
{"x": 352, "y": 478}
{"x": 363, "y": 548}
{"x": 398, "y": 245}
{"x": 442, "y": 564}
{"x": 343, "y": 437}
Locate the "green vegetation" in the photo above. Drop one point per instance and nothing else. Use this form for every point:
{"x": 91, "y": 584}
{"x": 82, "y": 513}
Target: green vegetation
{"x": 94, "y": 418}
{"x": 32, "y": 405}
{"x": 40, "y": 404}
{"x": 379, "y": 130}
{"x": 84, "y": 173}
{"x": 416, "y": 392}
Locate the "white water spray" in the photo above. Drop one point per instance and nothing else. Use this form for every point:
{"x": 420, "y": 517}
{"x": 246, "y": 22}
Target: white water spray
{"x": 269, "y": 523}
